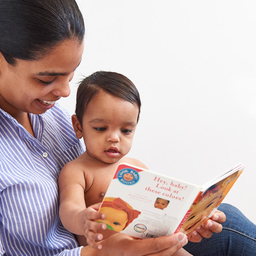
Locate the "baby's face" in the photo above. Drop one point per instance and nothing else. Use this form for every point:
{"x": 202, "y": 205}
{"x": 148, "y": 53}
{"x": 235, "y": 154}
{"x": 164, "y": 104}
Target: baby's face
{"x": 109, "y": 124}
{"x": 201, "y": 211}
{"x": 115, "y": 218}
{"x": 161, "y": 204}
{"x": 128, "y": 176}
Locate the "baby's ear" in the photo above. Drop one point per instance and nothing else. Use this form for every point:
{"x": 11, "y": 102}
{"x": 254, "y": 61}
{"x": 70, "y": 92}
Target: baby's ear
{"x": 77, "y": 127}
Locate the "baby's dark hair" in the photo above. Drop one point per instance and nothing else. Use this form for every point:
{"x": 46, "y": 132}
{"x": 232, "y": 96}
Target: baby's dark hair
{"x": 113, "y": 83}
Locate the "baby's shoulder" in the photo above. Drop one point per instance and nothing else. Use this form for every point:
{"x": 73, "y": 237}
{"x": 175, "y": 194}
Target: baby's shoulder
{"x": 133, "y": 161}
{"x": 76, "y": 171}
{"x": 76, "y": 166}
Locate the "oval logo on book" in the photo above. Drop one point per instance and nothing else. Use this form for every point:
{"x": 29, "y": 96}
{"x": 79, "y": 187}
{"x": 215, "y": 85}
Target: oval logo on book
{"x": 140, "y": 228}
{"x": 128, "y": 176}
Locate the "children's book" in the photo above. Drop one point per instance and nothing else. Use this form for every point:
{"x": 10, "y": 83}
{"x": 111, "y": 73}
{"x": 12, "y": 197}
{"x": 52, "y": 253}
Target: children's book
{"x": 144, "y": 204}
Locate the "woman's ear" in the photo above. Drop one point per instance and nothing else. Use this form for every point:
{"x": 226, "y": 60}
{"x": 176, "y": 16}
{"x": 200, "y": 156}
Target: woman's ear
{"x": 77, "y": 127}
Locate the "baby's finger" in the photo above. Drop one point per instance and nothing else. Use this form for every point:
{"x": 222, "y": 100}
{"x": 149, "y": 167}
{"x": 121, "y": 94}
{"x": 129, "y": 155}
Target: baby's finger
{"x": 94, "y": 226}
{"x": 91, "y": 214}
{"x": 91, "y": 232}
{"x": 92, "y": 236}
{"x": 95, "y": 206}
{"x": 94, "y": 244}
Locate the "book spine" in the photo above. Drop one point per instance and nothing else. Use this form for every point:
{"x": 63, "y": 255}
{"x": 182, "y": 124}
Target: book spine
{"x": 198, "y": 197}
{"x": 183, "y": 220}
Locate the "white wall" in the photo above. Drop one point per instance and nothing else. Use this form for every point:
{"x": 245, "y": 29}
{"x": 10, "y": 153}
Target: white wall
{"x": 194, "y": 63}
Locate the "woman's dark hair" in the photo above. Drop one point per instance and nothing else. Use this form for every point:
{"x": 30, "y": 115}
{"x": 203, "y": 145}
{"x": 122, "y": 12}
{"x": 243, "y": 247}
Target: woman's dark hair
{"x": 29, "y": 29}
{"x": 113, "y": 83}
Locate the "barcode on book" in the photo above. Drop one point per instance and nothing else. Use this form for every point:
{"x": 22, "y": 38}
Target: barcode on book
{"x": 148, "y": 235}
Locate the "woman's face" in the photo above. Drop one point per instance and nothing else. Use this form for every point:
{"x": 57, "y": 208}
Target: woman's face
{"x": 34, "y": 86}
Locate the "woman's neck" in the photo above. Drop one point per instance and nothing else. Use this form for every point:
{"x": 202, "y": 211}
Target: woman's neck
{"x": 20, "y": 116}
{"x": 23, "y": 119}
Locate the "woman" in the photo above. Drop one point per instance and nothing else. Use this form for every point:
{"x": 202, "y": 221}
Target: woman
{"x": 41, "y": 45}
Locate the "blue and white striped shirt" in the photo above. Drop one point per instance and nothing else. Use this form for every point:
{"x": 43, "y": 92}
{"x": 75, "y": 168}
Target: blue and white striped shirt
{"x": 29, "y": 169}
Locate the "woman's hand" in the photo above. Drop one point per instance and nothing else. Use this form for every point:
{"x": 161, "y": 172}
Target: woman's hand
{"x": 213, "y": 225}
{"x": 122, "y": 245}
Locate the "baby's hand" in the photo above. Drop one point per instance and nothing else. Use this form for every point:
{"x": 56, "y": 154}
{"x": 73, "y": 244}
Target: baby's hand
{"x": 91, "y": 226}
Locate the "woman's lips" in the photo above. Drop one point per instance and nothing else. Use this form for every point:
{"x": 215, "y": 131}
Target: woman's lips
{"x": 45, "y": 104}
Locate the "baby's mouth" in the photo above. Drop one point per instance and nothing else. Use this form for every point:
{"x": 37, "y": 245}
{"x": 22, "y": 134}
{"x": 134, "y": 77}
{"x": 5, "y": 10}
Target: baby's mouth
{"x": 111, "y": 150}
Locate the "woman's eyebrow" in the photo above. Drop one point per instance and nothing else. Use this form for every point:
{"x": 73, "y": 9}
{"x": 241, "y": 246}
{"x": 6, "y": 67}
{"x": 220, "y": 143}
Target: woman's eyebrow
{"x": 52, "y": 73}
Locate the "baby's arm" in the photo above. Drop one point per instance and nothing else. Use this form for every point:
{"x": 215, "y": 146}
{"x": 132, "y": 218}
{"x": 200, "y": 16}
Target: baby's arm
{"x": 73, "y": 212}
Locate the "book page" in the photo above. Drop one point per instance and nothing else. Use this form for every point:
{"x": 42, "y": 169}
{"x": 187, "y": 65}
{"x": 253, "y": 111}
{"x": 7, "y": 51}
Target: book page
{"x": 238, "y": 167}
{"x": 208, "y": 201}
{"x": 146, "y": 204}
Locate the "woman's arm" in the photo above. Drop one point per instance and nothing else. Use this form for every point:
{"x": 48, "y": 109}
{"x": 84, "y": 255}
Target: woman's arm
{"x": 122, "y": 245}
{"x": 2, "y": 252}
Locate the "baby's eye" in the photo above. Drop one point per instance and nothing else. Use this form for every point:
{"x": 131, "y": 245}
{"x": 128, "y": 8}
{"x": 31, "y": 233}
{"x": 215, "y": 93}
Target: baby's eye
{"x": 116, "y": 223}
{"x": 126, "y": 131}
{"x": 100, "y": 129}
{"x": 192, "y": 217}
{"x": 208, "y": 205}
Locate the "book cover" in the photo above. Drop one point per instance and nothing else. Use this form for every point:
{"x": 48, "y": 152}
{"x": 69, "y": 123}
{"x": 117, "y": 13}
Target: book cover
{"x": 144, "y": 204}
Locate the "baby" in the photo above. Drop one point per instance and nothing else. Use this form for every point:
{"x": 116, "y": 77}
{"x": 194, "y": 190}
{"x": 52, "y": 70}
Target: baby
{"x": 161, "y": 203}
{"x": 107, "y": 113}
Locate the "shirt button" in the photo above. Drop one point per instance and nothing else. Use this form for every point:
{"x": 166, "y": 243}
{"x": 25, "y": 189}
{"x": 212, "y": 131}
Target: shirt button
{"x": 45, "y": 154}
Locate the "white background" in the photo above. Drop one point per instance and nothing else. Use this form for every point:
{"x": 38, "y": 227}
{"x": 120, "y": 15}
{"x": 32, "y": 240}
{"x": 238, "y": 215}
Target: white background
{"x": 194, "y": 63}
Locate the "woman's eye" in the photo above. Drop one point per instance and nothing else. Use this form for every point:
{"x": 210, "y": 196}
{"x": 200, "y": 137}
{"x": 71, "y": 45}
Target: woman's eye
{"x": 100, "y": 129}
{"x": 46, "y": 82}
{"x": 126, "y": 131}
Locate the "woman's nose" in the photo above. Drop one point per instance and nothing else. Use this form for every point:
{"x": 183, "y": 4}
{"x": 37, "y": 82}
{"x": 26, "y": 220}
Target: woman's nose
{"x": 63, "y": 89}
